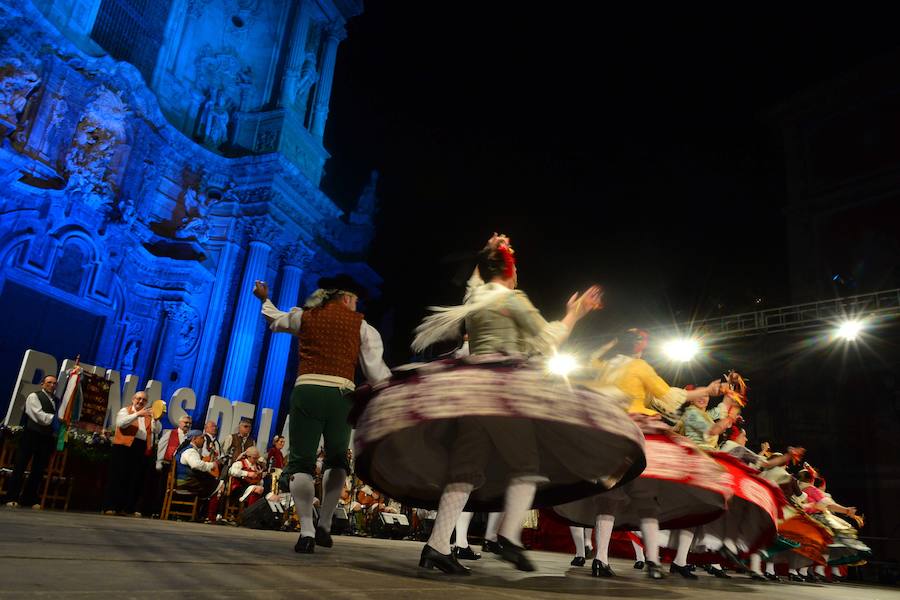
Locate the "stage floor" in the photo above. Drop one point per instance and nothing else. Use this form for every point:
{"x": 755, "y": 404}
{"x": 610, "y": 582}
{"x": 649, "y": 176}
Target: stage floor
{"x": 72, "y": 555}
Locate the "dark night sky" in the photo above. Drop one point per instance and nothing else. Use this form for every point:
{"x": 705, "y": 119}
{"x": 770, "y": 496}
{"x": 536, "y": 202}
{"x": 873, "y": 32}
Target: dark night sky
{"x": 627, "y": 148}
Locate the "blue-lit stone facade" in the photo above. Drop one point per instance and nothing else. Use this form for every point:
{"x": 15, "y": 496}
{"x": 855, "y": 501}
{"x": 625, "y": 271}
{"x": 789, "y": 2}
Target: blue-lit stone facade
{"x": 138, "y": 202}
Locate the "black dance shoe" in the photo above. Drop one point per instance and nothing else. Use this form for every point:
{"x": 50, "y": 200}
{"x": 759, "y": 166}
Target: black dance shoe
{"x": 654, "y": 571}
{"x": 796, "y": 578}
{"x": 772, "y": 577}
{"x": 732, "y": 557}
{"x": 720, "y": 573}
{"x": 323, "y": 538}
{"x": 489, "y": 547}
{"x": 465, "y": 553}
{"x": 757, "y": 576}
{"x": 601, "y": 569}
{"x": 639, "y": 565}
{"x": 514, "y": 554}
{"x": 578, "y": 561}
{"x": 447, "y": 563}
{"x": 305, "y": 545}
{"x": 684, "y": 571}
{"x": 810, "y": 578}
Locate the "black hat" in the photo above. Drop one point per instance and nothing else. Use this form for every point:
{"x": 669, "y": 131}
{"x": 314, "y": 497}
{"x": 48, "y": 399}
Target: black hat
{"x": 344, "y": 283}
{"x": 246, "y": 420}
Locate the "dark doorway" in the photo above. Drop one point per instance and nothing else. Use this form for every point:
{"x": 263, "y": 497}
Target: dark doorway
{"x": 36, "y": 321}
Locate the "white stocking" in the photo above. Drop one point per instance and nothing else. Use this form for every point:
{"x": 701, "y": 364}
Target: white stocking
{"x": 332, "y": 486}
{"x": 603, "y": 527}
{"x": 453, "y": 500}
{"x": 519, "y": 496}
{"x": 462, "y": 529}
{"x": 303, "y": 491}
{"x": 650, "y": 533}
{"x": 638, "y": 552}
{"x": 755, "y": 563}
{"x": 493, "y": 524}
{"x": 685, "y": 539}
{"x": 578, "y": 538}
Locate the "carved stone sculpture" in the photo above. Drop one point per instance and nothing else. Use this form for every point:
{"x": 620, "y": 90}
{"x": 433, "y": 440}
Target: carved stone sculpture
{"x": 16, "y": 82}
{"x": 308, "y": 76}
{"x": 89, "y": 163}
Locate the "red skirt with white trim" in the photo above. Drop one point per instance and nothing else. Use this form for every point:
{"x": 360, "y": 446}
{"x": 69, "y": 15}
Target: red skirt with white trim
{"x": 753, "y": 511}
{"x": 682, "y": 486}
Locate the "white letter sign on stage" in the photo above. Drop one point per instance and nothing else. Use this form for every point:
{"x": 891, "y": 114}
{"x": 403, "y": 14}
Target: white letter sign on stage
{"x": 36, "y": 365}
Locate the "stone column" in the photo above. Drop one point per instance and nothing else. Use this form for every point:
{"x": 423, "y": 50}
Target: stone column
{"x": 210, "y": 346}
{"x": 296, "y": 54}
{"x": 172, "y": 35}
{"x": 333, "y": 36}
{"x": 296, "y": 258}
{"x": 247, "y": 323}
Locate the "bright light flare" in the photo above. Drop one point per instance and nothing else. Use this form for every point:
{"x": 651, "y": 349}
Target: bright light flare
{"x": 562, "y": 364}
{"x": 683, "y": 350}
{"x": 849, "y": 330}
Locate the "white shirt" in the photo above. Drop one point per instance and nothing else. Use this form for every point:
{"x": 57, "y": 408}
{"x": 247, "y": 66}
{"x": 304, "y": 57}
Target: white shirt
{"x": 124, "y": 419}
{"x": 191, "y": 458}
{"x": 217, "y": 447}
{"x": 371, "y": 348}
{"x": 163, "y": 444}
{"x": 237, "y": 469}
{"x": 35, "y": 411}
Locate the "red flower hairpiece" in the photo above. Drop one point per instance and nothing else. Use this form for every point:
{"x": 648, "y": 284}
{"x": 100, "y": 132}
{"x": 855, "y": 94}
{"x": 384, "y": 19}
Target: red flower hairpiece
{"x": 509, "y": 261}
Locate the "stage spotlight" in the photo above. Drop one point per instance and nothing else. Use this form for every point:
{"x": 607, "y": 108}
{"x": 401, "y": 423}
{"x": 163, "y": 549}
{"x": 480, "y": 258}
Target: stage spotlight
{"x": 683, "y": 350}
{"x": 849, "y": 330}
{"x": 562, "y": 364}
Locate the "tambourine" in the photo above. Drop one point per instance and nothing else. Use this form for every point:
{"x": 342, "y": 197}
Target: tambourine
{"x": 158, "y": 409}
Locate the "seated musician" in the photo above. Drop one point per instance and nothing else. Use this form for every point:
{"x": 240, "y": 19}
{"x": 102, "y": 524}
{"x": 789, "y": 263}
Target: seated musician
{"x": 247, "y": 476}
{"x": 196, "y": 476}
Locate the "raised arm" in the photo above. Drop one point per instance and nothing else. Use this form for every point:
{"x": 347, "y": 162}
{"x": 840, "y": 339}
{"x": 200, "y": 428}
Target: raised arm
{"x": 279, "y": 321}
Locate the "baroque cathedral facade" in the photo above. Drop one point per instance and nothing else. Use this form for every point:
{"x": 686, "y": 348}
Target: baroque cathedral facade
{"x": 157, "y": 157}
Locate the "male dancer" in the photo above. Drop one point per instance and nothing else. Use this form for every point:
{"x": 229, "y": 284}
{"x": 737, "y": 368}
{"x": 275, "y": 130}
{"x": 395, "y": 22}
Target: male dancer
{"x": 333, "y": 339}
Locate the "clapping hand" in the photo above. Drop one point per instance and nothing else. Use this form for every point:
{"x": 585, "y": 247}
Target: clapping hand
{"x": 590, "y": 300}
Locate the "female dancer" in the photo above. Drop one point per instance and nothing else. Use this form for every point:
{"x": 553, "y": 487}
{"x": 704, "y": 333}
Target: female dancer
{"x": 680, "y": 487}
{"x": 483, "y": 431}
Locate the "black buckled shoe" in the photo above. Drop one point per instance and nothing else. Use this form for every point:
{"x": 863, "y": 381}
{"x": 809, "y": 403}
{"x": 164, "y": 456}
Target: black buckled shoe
{"x": 684, "y": 571}
{"x": 489, "y": 547}
{"x": 796, "y": 578}
{"x": 578, "y": 561}
{"x": 465, "y": 553}
{"x": 639, "y": 565}
{"x": 810, "y": 578}
{"x": 432, "y": 559}
{"x": 305, "y": 545}
{"x": 654, "y": 571}
{"x": 720, "y": 573}
{"x": 323, "y": 538}
{"x": 601, "y": 569}
{"x": 732, "y": 557}
{"x": 772, "y": 577}
{"x": 514, "y": 554}
{"x": 757, "y": 576}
